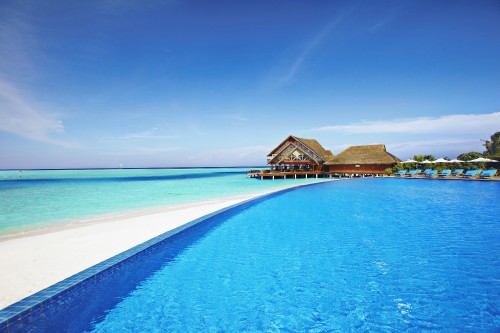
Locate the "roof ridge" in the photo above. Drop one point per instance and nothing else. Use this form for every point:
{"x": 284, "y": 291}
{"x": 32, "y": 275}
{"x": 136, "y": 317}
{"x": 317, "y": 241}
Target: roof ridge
{"x": 364, "y": 154}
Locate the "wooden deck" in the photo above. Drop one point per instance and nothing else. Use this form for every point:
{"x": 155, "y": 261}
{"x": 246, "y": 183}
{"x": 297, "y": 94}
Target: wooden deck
{"x": 494, "y": 178}
{"x": 266, "y": 174}
{"x": 288, "y": 174}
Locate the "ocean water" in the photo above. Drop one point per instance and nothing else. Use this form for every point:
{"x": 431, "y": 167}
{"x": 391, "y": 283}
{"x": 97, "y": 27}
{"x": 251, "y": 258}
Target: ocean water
{"x": 43, "y": 199}
{"x": 361, "y": 255}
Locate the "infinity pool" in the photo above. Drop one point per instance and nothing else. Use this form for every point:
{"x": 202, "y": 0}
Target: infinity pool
{"x": 358, "y": 255}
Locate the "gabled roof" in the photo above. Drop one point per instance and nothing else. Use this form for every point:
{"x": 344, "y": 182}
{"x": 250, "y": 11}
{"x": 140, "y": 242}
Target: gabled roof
{"x": 316, "y": 147}
{"x": 370, "y": 154}
{"x": 312, "y": 144}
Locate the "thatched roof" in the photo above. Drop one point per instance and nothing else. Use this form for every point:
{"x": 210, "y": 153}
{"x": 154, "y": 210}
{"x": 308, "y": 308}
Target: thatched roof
{"x": 371, "y": 154}
{"x": 314, "y": 145}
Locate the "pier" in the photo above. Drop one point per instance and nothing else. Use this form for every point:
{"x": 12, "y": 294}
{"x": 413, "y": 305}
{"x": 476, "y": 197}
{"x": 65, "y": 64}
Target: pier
{"x": 266, "y": 174}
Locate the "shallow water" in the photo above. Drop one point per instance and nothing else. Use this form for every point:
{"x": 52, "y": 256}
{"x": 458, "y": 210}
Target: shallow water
{"x": 48, "y": 198}
{"x": 360, "y": 256}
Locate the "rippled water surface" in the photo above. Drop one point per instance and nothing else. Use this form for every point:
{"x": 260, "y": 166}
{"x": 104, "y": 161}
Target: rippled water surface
{"x": 359, "y": 255}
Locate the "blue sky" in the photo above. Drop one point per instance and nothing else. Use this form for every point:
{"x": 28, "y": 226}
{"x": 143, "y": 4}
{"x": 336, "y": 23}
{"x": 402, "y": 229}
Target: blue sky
{"x": 220, "y": 83}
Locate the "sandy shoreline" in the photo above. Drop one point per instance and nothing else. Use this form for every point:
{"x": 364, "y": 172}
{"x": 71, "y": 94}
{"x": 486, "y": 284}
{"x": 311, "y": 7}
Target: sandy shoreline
{"x": 30, "y": 263}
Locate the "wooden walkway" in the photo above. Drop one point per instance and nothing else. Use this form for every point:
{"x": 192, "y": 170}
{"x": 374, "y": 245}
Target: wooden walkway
{"x": 321, "y": 174}
{"x": 288, "y": 174}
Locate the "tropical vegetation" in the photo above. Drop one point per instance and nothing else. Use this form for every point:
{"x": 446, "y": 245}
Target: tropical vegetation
{"x": 492, "y": 147}
{"x": 469, "y": 156}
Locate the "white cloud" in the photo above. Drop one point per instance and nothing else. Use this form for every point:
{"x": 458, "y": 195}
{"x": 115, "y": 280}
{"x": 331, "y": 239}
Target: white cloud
{"x": 430, "y": 143}
{"x": 444, "y": 147}
{"x": 290, "y": 76}
{"x": 480, "y": 124}
{"x": 20, "y": 117}
{"x": 17, "y": 41}
{"x": 386, "y": 18}
{"x": 150, "y": 134}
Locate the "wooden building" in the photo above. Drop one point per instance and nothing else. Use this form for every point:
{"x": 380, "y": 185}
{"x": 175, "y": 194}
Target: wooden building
{"x": 361, "y": 160}
{"x": 298, "y": 157}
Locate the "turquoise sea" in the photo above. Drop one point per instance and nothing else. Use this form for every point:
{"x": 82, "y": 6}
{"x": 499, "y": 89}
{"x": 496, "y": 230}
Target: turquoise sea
{"x": 47, "y": 198}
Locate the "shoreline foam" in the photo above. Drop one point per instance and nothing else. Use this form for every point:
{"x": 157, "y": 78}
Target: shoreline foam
{"x": 30, "y": 263}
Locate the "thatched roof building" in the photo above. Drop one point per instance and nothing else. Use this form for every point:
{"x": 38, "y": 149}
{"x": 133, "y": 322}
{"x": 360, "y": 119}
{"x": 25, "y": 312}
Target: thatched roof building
{"x": 304, "y": 154}
{"x": 370, "y": 159}
{"x": 299, "y": 156}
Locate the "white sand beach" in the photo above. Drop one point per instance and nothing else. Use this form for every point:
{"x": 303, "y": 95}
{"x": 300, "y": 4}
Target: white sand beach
{"x": 34, "y": 262}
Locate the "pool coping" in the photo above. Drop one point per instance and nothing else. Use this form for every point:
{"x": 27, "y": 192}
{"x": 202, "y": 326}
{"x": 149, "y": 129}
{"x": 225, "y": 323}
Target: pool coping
{"x": 16, "y": 311}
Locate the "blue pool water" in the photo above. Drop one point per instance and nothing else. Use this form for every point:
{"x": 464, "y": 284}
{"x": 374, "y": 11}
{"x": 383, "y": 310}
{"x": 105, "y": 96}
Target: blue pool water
{"x": 362, "y": 255}
{"x": 46, "y": 198}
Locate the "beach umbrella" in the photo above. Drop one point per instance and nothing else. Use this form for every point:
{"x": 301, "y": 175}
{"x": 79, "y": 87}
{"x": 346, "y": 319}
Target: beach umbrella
{"x": 441, "y": 160}
{"x": 456, "y": 161}
{"x": 482, "y": 159}
{"x": 409, "y": 161}
{"x": 426, "y": 162}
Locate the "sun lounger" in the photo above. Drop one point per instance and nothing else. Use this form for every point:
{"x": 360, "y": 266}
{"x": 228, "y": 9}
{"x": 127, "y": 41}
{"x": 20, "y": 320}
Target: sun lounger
{"x": 414, "y": 172}
{"x": 472, "y": 173}
{"x": 426, "y": 171}
{"x": 431, "y": 173}
{"x": 445, "y": 173}
{"x": 488, "y": 173}
{"x": 457, "y": 172}
{"x": 401, "y": 173}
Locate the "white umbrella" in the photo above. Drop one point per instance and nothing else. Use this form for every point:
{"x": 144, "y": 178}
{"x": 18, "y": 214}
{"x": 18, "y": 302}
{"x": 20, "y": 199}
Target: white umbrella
{"x": 482, "y": 159}
{"x": 441, "y": 160}
{"x": 456, "y": 161}
{"x": 409, "y": 161}
{"x": 426, "y": 162}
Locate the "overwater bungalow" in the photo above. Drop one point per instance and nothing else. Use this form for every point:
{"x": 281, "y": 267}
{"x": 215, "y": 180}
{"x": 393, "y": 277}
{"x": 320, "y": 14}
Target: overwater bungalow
{"x": 298, "y": 157}
{"x": 361, "y": 160}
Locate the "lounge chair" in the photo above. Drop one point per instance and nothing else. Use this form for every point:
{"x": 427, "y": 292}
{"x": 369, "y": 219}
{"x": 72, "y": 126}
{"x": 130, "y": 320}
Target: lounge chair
{"x": 432, "y": 173}
{"x": 445, "y": 173}
{"x": 488, "y": 173}
{"x": 401, "y": 173}
{"x": 472, "y": 173}
{"x": 414, "y": 172}
{"x": 427, "y": 171}
{"x": 457, "y": 172}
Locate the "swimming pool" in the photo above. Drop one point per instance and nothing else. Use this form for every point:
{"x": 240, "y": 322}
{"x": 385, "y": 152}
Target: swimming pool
{"x": 356, "y": 255}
